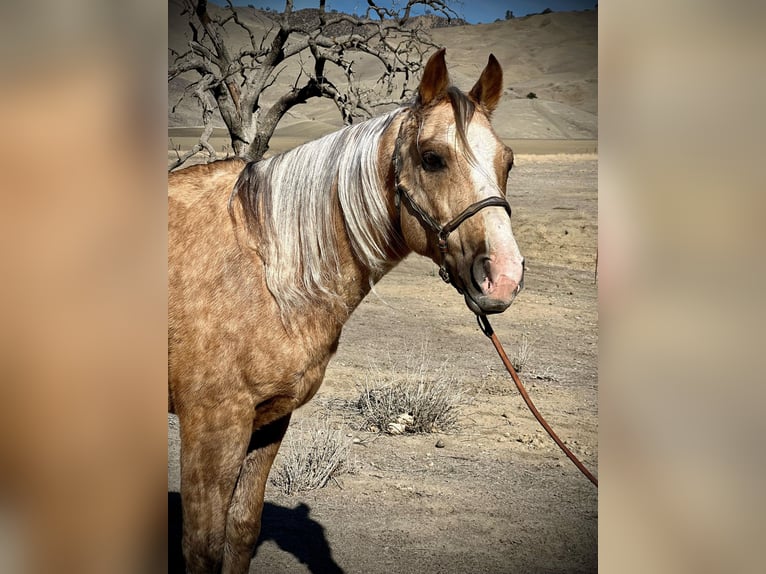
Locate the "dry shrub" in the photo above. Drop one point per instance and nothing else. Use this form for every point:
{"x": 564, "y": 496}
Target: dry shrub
{"x": 415, "y": 399}
{"x": 314, "y": 454}
{"x": 523, "y": 353}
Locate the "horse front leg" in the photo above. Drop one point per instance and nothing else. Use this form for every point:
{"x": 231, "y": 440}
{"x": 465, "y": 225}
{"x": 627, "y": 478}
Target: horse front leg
{"x": 213, "y": 446}
{"x": 243, "y": 524}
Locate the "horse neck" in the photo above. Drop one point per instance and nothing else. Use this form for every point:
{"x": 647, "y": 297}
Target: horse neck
{"x": 357, "y": 279}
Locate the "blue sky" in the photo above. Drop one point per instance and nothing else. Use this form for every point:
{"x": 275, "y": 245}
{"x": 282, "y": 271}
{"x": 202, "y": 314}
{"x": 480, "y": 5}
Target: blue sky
{"x": 474, "y": 11}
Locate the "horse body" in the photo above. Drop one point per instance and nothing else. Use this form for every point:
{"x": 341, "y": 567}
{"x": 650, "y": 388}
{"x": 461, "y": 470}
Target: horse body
{"x": 261, "y": 283}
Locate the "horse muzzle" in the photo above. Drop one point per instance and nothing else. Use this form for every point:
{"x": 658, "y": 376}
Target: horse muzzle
{"x": 492, "y": 286}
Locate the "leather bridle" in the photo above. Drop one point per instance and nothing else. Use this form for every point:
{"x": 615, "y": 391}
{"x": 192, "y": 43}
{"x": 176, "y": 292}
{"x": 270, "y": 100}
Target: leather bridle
{"x": 442, "y": 231}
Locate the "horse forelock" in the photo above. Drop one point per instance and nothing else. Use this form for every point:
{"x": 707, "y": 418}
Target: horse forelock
{"x": 463, "y": 108}
{"x": 293, "y": 202}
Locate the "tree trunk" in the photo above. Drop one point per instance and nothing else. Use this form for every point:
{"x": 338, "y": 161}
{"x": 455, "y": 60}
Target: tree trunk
{"x": 258, "y": 147}
{"x": 264, "y": 130}
{"x": 267, "y": 123}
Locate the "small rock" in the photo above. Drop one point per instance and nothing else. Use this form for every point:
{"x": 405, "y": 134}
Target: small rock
{"x": 405, "y": 419}
{"x": 501, "y": 439}
{"x": 396, "y": 428}
{"x": 356, "y": 440}
{"x": 440, "y": 443}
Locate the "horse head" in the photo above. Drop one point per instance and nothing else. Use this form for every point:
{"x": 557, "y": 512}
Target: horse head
{"x": 451, "y": 172}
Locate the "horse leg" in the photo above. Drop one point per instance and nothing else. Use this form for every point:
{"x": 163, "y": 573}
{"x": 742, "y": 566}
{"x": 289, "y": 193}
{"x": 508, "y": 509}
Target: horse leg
{"x": 213, "y": 446}
{"x": 243, "y": 523}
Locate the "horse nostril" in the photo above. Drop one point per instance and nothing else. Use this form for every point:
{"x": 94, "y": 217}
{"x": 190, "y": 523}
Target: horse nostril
{"x": 480, "y": 272}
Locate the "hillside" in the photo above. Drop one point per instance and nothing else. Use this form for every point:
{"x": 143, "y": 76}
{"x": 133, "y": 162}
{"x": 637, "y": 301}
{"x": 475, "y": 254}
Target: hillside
{"x": 551, "y": 55}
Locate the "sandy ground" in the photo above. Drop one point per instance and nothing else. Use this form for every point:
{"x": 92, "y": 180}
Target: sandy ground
{"x": 499, "y": 496}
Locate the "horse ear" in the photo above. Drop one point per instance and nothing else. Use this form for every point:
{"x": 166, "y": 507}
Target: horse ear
{"x": 489, "y": 88}
{"x": 435, "y": 79}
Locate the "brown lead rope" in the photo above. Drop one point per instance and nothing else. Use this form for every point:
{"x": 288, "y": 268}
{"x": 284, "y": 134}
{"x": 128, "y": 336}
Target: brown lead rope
{"x": 489, "y": 332}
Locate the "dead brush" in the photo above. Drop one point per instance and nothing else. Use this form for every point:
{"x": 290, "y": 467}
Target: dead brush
{"x": 314, "y": 454}
{"x": 523, "y": 353}
{"x": 414, "y": 399}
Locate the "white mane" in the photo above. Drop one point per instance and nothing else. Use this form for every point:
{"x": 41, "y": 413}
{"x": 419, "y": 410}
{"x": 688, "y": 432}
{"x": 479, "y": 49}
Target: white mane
{"x": 292, "y": 198}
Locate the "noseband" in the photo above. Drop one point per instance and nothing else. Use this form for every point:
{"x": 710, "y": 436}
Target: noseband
{"x": 442, "y": 231}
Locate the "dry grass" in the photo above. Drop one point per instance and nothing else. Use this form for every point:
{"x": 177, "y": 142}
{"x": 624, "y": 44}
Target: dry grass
{"x": 522, "y": 353}
{"x": 314, "y": 454}
{"x": 413, "y": 398}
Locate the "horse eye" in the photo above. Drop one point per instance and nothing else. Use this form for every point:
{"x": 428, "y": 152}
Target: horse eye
{"x": 432, "y": 161}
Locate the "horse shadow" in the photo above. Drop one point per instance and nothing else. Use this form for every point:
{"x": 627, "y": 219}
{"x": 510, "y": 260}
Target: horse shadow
{"x": 292, "y": 529}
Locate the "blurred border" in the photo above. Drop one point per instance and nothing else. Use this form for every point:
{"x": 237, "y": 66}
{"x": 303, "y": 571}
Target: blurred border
{"x": 681, "y": 283}
{"x": 83, "y": 305}
{"x": 83, "y": 301}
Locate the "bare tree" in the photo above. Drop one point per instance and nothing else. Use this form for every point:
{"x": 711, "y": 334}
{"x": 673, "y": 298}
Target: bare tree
{"x": 234, "y": 82}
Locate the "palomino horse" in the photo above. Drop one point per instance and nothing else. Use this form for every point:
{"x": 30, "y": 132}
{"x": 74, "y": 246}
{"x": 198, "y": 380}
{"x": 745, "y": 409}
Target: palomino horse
{"x": 267, "y": 261}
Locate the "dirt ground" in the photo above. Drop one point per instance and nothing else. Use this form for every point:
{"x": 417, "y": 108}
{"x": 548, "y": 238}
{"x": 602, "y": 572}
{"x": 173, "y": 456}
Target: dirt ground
{"x": 499, "y": 496}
